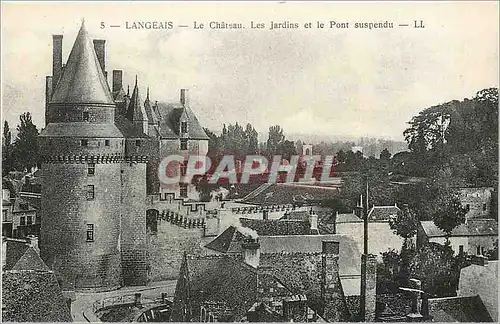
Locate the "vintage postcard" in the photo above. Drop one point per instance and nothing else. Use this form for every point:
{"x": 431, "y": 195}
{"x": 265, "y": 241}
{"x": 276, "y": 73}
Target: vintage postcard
{"x": 250, "y": 161}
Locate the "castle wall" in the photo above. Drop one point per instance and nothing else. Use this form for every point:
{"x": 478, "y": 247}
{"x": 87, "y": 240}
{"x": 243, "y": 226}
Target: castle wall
{"x": 66, "y": 215}
{"x": 134, "y": 252}
{"x": 168, "y": 246}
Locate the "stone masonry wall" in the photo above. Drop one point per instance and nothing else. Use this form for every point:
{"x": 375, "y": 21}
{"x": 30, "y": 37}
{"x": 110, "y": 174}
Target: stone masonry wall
{"x": 66, "y": 214}
{"x": 133, "y": 225}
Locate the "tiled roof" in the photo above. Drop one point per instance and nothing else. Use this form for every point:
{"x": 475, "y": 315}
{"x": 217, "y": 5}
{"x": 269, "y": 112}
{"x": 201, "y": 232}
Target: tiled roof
{"x": 224, "y": 280}
{"x": 82, "y": 79}
{"x": 474, "y": 227}
{"x": 169, "y": 122}
{"x": 382, "y": 213}
{"x": 228, "y": 241}
{"x": 482, "y": 226}
{"x": 21, "y": 205}
{"x": 32, "y": 296}
{"x": 348, "y": 218}
{"x": 30, "y": 260}
{"x": 283, "y": 193}
{"x": 270, "y": 227}
{"x": 458, "y": 309}
{"x": 15, "y": 249}
{"x": 81, "y": 129}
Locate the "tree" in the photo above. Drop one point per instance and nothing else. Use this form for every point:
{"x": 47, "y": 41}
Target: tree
{"x": 405, "y": 223}
{"x": 275, "y": 139}
{"x": 252, "y": 138}
{"x": 213, "y": 143}
{"x": 7, "y": 157}
{"x": 385, "y": 155}
{"x": 449, "y": 214}
{"x": 436, "y": 267}
{"x": 26, "y": 146}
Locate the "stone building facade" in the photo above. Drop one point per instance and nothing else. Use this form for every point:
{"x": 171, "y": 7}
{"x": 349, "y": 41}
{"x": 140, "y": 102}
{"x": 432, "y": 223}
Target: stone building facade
{"x": 100, "y": 153}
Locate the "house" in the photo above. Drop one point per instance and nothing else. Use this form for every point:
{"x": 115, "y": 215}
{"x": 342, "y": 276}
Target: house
{"x": 19, "y": 218}
{"x": 381, "y": 237}
{"x": 477, "y": 201}
{"x": 30, "y": 291}
{"x": 229, "y": 242}
{"x": 476, "y": 237}
{"x": 267, "y": 275}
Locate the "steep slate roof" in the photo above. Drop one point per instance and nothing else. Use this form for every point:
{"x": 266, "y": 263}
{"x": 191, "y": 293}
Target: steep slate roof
{"x": 284, "y": 193}
{"x": 474, "y": 227}
{"x": 382, "y": 213}
{"x": 269, "y": 227}
{"x": 169, "y": 122}
{"x": 32, "y": 296}
{"x": 81, "y": 129}
{"x": 222, "y": 279}
{"x": 458, "y": 309}
{"x": 228, "y": 241}
{"x": 82, "y": 80}
{"x": 152, "y": 118}
{"x": 15, "y": 249}
{"x": 136, "y": 110}
{"x": 127, "y": 128}
{"x": 30, "y": 260}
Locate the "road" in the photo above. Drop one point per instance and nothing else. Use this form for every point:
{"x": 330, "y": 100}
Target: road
{"x": 81, "y": 308}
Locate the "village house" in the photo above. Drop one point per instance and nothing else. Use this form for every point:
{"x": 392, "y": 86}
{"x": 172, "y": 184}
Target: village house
{"x": 476, "y": 237}
{"x": 477, "y": 201}
{"x": 278, "y": 269}
{"x": 19, "y": 218}
{"x": 381, "y": 237}
{"x": 30, "y": 291}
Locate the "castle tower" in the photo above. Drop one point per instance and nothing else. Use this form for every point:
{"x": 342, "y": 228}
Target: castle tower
{"x": 136, "y": 111}
{"x": 82, "y": 153}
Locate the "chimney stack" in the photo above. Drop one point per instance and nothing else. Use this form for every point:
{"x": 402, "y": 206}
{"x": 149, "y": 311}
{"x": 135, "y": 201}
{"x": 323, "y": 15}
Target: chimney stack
{"x": 368, "y": 287}
{"x": 48, "y": 95}
{"x": 33, "y": 241}
{"x": 330, "y": 289}
{"x": 56, "y": 59}
{"x": 117, "y": 80}
{"x": 100, "y": 50}
{"x": 185, "y": 97}
{"x": 251, "y": 251}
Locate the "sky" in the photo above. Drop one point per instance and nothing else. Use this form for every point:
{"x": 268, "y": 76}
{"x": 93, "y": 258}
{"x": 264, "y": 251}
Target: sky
{"x": 327, "y": 81}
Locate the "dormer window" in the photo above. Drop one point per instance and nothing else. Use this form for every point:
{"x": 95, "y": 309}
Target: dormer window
{"x": 184, "y": 127}
{"x": 86, "y": 116}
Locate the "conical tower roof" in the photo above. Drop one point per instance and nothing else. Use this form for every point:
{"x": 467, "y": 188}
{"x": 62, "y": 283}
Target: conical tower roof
{"x": 82, "y": 80}
{"x": 136, "y": 110}
{"x": 152, "y": 118}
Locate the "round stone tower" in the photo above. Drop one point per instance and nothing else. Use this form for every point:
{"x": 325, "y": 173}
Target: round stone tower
{"x": 82, "y": 152}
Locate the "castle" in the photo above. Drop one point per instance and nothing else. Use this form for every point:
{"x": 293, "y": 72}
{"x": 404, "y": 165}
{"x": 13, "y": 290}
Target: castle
{"x": 101, "y": 148}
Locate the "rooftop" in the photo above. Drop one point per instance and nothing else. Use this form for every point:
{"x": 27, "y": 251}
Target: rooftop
{"x": 82, "y": 80}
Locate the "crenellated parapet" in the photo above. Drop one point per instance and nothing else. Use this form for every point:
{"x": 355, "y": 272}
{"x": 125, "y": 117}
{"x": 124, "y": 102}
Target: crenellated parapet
{"x": 84, "y": 159}
{"x": 136, "y": 159}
